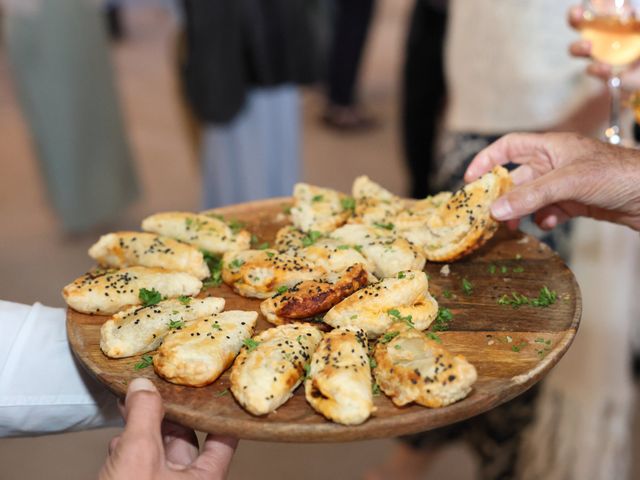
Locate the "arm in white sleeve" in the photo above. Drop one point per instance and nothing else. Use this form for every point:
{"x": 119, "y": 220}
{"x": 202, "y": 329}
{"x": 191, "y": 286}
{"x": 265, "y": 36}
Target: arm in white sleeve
{"x": 42, "y": 387}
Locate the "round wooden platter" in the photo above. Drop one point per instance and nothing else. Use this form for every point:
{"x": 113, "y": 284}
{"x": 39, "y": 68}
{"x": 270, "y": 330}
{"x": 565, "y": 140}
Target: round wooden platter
{"x": 512, "y": 349}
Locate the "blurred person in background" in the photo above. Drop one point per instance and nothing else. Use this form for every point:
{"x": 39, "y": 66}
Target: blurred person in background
{"x": 507, "y": 69}
{"x": 424, "y": 92}
{"x": 349, "y": 29}
{"x": 241, "y": 67}
{"x": 59, "y": 59}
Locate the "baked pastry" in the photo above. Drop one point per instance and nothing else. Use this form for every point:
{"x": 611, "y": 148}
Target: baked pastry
{"x": 318, "y": 209}
{"x": 207, "y": 232}
{"x": 463, "y": 223}
{"x": 272, "y": 365}
{"x": 339, "y": 382}
{"x": 129, "y": 249}
{"x": 259, "y": 273}
{"x": 389, "y": 253}
{"x": 139, "y": 330}
{"x": 414, "y": 368}
{"x": 106, "y": 292}
{"x": 196, "y": 355}
{"x": 374, "y": 204}
{"x": 376, "y": 307}
{"x": 289, "y": 239}
{"x": 310, "y": 298}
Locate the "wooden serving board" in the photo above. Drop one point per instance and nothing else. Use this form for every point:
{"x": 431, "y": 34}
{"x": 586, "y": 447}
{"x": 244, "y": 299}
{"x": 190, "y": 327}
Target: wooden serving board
{"x": 506, "y": 345}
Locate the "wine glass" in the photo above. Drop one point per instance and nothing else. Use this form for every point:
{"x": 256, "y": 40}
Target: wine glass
{"x": 613, "y": 28}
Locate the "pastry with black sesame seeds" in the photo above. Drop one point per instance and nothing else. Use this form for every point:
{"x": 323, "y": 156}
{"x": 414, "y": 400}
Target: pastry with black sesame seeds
{"x": 389, "y": 253}
{"x": 139, "y": 330}
{"x": 376, "y": 307}
{"x": 339, "y": 382}
{"x": 272, "y": 365}
{"x": 106, "y": 292}
{"x": 411, "y": 367}
{"x": 463, "y": 223}
{"x": 259, "y": 273}
{"x": 130, "y": 249}
{"x": 317, "y": 209}
{"x": 312, "y": 298}
{"x": 208, "y": 232}
{"x": 196, "y": 355}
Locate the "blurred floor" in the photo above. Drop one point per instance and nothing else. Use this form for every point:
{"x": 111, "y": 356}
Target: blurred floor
{"x": 36, "y": 259}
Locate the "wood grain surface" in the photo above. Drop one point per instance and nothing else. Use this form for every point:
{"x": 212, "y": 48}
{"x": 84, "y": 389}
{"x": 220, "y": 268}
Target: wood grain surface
{"x": 499, "y": 340}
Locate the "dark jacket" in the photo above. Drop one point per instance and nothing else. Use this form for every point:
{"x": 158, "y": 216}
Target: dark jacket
{"x": 234, "y": 45}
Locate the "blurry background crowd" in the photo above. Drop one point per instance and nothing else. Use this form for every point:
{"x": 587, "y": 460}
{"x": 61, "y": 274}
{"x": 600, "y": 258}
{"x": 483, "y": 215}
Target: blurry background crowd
{"x": 113, "y": 110}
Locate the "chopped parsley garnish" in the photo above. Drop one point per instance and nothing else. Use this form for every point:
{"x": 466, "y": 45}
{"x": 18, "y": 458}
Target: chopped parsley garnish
{"x": 343, "y": 247}
{"x": 492, "y": 268}
{"x": 372, "y": 363}
{"x": 222, "y": 393}
{"x": 145, "y": 361}
{"x": 173, "y": 324}
{"x": 251, "y": 344}
{"x": 216, "y": 326}
{"x": 545, "y": 298}
{"x": 386, "y": 226}
{"x": 447, "y": 294}
{"x": 149, "y": 297}
{"x": 282, "y": 289}
{"x": 348, "y": 203}
{"x": 353, "y": 317}
{"x": 235, "y": 225}
{"x": 520, "y": 346}
{"x": 387, "y": 337}
{"x": 270, "y": 254}
{"x": 299, "y": 339}
{"x": 375, "y": 389}
{"x": 504, "y": 269}
{"x": 236, "y": 263}
{"x": 401, "y": 275}
{"x": 317, "y": 198}
{"x": 184, "y": 299}
{"x": 395, "y": 313}
{"x": 518, "y": 269}
{"x": 398, "y": 347}
{"x": 214, "y": 262}
{"x": 307, "y": 370}
{"x": 467, "y": 287}
{"x": 441, "y": 323}
{"x": 434, "y": 337}
{"x": 286, "y": 209}
{"x": 357, "y": 248}
{"x": 310, "y": 238}
{"x": 254, "y": 239}
{"x": 263, "y": 246}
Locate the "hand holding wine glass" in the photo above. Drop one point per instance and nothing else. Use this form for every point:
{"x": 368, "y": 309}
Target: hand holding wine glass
{"x": 611, "y": 33}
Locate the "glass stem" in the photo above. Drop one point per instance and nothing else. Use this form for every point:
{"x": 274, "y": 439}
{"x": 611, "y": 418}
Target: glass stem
{"x": 613, "y": 133}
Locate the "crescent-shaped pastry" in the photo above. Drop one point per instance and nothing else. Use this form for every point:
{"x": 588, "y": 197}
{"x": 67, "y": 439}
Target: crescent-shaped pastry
{"x": 129, "y": 249}
{"x": 106, "y": 292}
{"x": 376, "y": 307}
{"x": 414, "y": 368}
{"x": 389, "y": 253}
{"x": 374, "y": 204}
{"x": 318, "y": 209}
{"x": 463, "y": 223}
{"x": 272, "y": 365}
{"x": 139, "y": 330}
{"x": 196, "y": 355}
{"x": 259, "y": 273}
{"x": 204, "y": 231}
{"x": 311, "y": 298}
{"x": 339, "y": 382}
